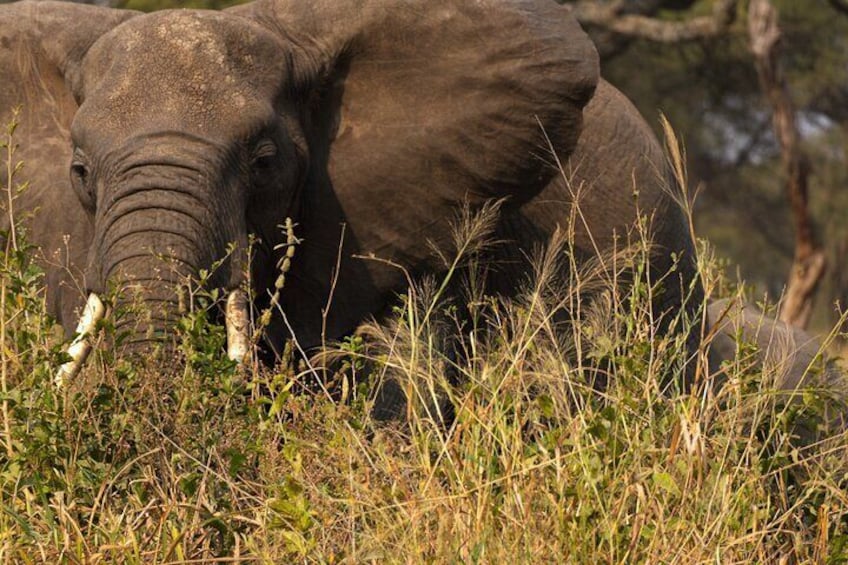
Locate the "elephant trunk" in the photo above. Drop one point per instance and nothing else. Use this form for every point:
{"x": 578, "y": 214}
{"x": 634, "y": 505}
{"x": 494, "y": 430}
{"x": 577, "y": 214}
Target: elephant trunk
{"x": 150, "y": 310}
{"x": 146, "y": 309}
{"x": 145, "y": 331}
{"x": 163, "y": 227}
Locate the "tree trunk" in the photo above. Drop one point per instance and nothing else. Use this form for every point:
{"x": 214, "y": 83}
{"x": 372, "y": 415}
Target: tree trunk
{"x": 809, "y": 263}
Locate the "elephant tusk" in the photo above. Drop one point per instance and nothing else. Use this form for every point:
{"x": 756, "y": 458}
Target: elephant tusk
{"x": 81, "y": 346}
{"x": 238, "y": 322}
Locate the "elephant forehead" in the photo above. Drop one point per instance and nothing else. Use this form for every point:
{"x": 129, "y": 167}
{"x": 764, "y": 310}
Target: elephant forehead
{"x": 199, "y": 66}
{"x": 191, "y": 37}
{"x": 188, "y": 37}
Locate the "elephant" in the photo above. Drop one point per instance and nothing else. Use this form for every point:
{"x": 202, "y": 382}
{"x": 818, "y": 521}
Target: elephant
{"x": 159, "y": 145}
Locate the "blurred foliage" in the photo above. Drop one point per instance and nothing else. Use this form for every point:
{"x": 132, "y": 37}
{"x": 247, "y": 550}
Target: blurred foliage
{"x": 709, "y": 91}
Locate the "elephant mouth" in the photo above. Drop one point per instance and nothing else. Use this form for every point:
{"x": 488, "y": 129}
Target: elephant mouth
{"x": 237, "y": 315}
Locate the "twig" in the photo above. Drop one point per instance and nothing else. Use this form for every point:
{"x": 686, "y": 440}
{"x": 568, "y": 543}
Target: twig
{"x": 11, "y": 245}
{"x": 334, "y": 281}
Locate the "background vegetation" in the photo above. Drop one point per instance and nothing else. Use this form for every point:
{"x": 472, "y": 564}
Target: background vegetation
{"x": 709, "y": 90}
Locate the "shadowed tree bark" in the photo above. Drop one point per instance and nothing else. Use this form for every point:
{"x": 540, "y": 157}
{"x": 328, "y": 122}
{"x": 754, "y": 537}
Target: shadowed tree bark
{"x": 809, "y": 263}
{"x": 615, "y": 24}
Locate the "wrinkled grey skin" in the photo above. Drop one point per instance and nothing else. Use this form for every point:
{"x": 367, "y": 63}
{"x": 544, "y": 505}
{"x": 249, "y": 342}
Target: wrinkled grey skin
{"x": 179, "y": 133}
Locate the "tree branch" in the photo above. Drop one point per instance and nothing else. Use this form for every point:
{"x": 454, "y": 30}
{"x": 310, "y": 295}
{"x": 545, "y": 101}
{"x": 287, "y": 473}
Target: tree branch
{"x": 840, "y": 6}
{"x": 809, "y": 264}
{"x": 610, "y": 15}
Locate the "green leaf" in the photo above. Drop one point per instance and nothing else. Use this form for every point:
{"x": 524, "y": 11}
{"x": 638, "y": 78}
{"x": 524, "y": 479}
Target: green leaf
{"x": 666, "y": 482}
{"x": 546, "y": 405}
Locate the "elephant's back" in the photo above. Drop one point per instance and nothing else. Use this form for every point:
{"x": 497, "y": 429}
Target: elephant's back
{"x": 617, "y": 173}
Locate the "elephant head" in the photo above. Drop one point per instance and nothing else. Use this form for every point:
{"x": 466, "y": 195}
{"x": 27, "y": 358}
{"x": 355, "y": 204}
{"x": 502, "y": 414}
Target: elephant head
{"x": 180, "y": 134}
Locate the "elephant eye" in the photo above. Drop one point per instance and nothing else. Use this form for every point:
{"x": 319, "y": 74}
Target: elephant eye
{"x": 79, "y": 171}
{"x": 263, "y": 155}
{"x": 81, "y": 181}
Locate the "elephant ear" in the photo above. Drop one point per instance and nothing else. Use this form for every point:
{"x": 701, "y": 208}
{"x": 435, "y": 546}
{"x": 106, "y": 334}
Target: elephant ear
{"x": 421, "y": 106}
{"x": 42, "y": 45}
{"x": 461, "y": 97}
